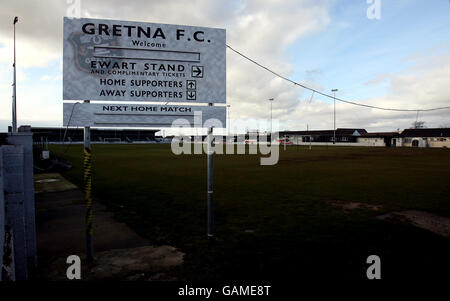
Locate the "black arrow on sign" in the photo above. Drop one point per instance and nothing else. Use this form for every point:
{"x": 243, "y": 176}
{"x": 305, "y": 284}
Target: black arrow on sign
{"x": 191, "y": 84}
{"x": 197, "y": 71}
{"x": 191, "y": 94}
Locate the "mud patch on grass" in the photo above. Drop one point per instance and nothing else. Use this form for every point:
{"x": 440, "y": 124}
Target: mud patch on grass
{"x": 51, "y": 182}
{"x": 143, "y": 263}
{"x": 349, "y": 206}
{"x": 425, "y": 220}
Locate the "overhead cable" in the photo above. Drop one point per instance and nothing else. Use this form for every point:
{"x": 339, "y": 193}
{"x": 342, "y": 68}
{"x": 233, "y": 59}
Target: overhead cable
{"x": 331, "y": 96}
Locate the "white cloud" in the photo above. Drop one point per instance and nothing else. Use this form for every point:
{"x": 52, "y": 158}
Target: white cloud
{"x": 45, "y": 77}
{"x": 262, "y": 29}
{"x": 421, "y": 86}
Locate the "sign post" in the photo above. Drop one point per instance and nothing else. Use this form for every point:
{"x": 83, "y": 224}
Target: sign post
{"x": 87, "y": 191}
{"x": 210, "y": 181}
{"x": 210, "y": 184}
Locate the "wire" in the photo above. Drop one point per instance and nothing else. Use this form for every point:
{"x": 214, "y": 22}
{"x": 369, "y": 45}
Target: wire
{"x": 70, "y": 118}
{"x": 65, "y": 132}
{"x": 331, "y": 96}
{"x": 312, "y": 95}
{"x": 64, "y": 138}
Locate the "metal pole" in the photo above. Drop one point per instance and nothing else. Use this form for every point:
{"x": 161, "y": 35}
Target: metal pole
{"x": 334, "y": 122}
{"x": 307, "y": 128}
{"x": 14, "y": 106}
{"x": 334, "y": 115}
{"x": 271, "y": 99}
{"x": 417, "y": 118}
{"x": 210, "y": 175}
{"x": 229, "y": 121}
{"x": 87, "y": 191}
{"x": 271, "y": 119}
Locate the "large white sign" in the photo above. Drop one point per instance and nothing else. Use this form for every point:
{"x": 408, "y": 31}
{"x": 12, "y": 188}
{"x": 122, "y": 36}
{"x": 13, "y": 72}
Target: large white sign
{"x": 142, "y": 115}
{"x": 134, "y": 61}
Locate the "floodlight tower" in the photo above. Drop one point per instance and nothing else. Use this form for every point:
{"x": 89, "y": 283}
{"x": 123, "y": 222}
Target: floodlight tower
{"x": 14, "y": 106}
{"x": 271, "y": 100}
{"x": 334, "y": 115}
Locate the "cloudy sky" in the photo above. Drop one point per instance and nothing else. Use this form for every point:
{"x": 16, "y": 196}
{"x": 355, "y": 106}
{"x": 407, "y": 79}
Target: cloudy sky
{"x": 401, "y": 60}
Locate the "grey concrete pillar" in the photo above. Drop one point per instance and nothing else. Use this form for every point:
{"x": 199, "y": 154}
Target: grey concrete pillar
{"x": 25, "y": 139}
{"x": 13, "y": 166}
{"x": 2, "y": 213}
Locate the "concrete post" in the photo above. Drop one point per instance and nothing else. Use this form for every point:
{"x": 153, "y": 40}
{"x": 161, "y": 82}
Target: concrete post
{"x": 13, "y": 159}
{"x": 2, "y": 213}
{"x": 25, "y": 139}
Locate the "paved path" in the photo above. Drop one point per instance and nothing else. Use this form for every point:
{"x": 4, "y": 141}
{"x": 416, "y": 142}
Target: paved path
{"x": 119, "y": 252}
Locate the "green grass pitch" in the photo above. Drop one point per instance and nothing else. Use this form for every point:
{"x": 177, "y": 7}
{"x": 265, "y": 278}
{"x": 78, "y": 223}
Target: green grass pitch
{"x": 278, "y": 222}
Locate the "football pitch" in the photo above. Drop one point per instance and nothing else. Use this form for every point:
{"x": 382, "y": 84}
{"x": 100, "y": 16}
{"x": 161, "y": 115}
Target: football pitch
{"x": 313, "y": 215}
